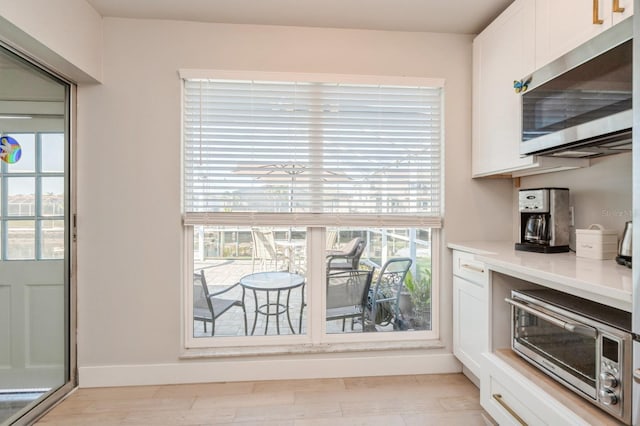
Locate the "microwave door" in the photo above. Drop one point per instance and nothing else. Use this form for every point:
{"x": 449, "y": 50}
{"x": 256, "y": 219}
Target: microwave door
{"x": 581, "y": 103}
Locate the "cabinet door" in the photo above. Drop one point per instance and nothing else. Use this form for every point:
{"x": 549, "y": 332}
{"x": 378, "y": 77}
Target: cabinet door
{"x": 625, "y": 9}
{"x": 564, "y": 25}
{"x": 470, "y": 324}
{"x": 504, "y": 52}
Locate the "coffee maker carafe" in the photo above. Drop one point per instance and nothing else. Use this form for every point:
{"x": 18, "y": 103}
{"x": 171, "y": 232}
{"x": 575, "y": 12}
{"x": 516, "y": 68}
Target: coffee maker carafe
{"x": 536, "y": 229}
{"x": 544, "y": 220}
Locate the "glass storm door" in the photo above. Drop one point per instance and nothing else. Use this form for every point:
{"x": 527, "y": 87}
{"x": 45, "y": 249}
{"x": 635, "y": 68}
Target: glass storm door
{"x": 35, "y": 358}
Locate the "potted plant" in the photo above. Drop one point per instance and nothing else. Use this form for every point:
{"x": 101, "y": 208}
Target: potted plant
{"x": 420, "y": 295}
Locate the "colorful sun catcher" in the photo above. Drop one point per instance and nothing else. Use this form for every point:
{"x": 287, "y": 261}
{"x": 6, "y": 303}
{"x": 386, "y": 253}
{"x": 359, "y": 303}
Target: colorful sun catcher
{"x": 10, "y": 150}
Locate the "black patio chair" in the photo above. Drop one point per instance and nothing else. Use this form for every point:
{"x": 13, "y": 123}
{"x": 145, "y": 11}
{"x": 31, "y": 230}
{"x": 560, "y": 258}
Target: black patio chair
{"x": 384, "y": 300}
{"x": 347, "y": 257}
{"x": 207, "y": 307}
{"x": 347, "y": 293}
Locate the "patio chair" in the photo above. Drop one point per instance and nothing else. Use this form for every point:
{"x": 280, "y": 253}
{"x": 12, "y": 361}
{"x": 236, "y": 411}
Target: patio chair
{"x": 264, "y": 250}
{"x": 347, "y": 257}
{"x": 384, "y": 298}
{"x": 331, "y": 239}
{"x": 207, "y": 307}
{"x": 347, "y": 295}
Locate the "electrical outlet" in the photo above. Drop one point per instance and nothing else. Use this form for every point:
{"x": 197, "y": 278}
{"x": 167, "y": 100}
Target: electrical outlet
{"x": 571, "y": 217}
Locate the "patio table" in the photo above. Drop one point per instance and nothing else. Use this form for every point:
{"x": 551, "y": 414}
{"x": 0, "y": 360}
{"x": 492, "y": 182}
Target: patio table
{"x": 272, "y": 282}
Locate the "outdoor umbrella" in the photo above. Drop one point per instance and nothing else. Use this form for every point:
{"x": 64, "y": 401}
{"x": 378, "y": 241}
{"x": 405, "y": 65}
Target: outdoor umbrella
{"x": 288, "y": 172}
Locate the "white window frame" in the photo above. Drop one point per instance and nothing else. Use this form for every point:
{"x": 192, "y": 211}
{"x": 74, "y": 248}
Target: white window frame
{"x": 315, "y": 340}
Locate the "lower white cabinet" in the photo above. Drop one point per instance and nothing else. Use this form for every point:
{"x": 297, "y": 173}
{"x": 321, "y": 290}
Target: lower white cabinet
{"x": 470, "y": 313}
{"x": 512, "y": 399}
{"x": 513, "y": 391}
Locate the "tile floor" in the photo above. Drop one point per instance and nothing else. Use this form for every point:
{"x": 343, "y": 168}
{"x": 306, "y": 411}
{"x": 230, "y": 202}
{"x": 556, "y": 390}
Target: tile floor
{"x": 443, "y": 399}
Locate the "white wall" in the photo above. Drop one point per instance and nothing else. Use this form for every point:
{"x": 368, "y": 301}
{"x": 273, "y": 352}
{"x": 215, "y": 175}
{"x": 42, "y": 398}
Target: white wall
{"x": 129, "y": 223}
{"x": 66, "y": 35}
{"x": 600, "y": 194}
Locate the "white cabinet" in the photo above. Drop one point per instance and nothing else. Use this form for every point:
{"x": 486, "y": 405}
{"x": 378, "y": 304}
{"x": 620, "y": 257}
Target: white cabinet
{"x": 470, "y": 314}
{"x": 512, "y": 399}
{"x": 563, "y": 25}
{"x": 502, "y": 53}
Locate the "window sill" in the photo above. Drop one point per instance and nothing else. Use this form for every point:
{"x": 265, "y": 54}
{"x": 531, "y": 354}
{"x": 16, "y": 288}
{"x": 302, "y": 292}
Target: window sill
{"x": 304, "y": 349}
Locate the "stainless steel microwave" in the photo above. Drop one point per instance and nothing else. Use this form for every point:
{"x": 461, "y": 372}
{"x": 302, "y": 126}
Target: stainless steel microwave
{"x": 580, "y": 104}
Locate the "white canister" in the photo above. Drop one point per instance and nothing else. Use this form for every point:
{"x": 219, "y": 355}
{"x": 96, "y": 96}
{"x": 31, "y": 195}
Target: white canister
{"x": 595, "y": 242}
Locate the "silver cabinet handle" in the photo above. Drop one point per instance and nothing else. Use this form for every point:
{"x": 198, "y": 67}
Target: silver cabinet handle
{"x": 472, "y": 267}
{"x": 636, "y": 375}
{"x": 569, "y": 326}
{"x": 503, "y": 404}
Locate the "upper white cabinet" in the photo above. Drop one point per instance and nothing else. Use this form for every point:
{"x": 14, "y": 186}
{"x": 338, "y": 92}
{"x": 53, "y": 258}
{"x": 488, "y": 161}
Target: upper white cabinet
{"x": 502, "y": 53}
{"x": 506, "y": 51}
{"x": 562, "y": 25}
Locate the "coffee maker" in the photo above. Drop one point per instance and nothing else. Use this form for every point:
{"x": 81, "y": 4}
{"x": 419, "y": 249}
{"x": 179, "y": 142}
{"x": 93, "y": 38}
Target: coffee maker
{"x": 544, "y": 220}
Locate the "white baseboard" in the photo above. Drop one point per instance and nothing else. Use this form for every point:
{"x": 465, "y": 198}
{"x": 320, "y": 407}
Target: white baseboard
{"x": 232, "y": 370}
{"x": 472, "y": 377}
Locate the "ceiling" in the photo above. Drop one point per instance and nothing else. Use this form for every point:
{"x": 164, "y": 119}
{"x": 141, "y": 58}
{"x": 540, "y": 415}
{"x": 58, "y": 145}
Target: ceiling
{"x": 460, "y": 16}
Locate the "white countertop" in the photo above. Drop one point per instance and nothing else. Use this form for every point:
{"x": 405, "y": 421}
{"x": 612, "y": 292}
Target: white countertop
{"x": 602, "y": 281}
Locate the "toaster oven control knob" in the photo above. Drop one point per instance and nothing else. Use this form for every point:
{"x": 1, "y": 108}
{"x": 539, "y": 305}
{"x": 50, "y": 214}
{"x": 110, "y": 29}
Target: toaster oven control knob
{"x": 607, "y": 397}
{"x": 608, "y": 380}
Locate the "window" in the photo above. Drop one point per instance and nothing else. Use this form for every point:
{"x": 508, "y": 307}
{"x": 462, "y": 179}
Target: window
{"x": 33, "y": 199}
{"x": 284, "y": 174}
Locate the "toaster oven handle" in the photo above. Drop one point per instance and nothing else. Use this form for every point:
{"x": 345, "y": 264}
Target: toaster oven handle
{"x": 569, "y": 326}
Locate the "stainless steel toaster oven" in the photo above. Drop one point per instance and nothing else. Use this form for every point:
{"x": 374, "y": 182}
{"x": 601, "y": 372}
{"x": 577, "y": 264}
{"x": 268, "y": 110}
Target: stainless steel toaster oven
{"x": 584, "y": 345}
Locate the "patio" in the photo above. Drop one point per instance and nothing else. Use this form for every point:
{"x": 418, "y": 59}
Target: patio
{"x": 220, "y": 273}
{"x": 231, "y": 323}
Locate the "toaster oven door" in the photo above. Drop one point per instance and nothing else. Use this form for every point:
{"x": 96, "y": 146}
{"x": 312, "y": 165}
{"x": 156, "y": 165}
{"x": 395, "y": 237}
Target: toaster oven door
{"x": 556, "y": 344}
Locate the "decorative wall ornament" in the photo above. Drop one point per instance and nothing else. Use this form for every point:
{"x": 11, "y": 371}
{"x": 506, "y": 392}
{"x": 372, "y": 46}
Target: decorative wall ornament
{"x": 10, "y": 150}
{"x": 521, "y": 85}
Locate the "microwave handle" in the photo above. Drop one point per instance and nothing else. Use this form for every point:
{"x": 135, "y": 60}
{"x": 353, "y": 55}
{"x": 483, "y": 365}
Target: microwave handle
{"x": 569, "y": 326}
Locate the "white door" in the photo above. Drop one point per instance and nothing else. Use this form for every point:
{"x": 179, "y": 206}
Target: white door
{"x": 32, "y": 324}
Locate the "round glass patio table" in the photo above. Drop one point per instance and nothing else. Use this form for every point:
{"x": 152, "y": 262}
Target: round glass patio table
{"x": 271, "y": 282}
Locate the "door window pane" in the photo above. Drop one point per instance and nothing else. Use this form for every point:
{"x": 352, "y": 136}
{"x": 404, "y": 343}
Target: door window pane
{"x": 52, "y": 239}
{"x": 21, "y": 196}
{"x": 27, "y": 162}
{"x": 52, "y": 152}
{"x": 21, "y": 239}
{"x": 52, "y": 196}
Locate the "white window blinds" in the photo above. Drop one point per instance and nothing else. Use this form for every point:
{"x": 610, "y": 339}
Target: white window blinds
{"x": 311, "y": 147}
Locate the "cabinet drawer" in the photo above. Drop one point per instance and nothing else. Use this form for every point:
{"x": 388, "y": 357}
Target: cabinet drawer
{"x": 506, "y": 408}
{"x": 465, "y": 266}
{"x": 513, "y": 399}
